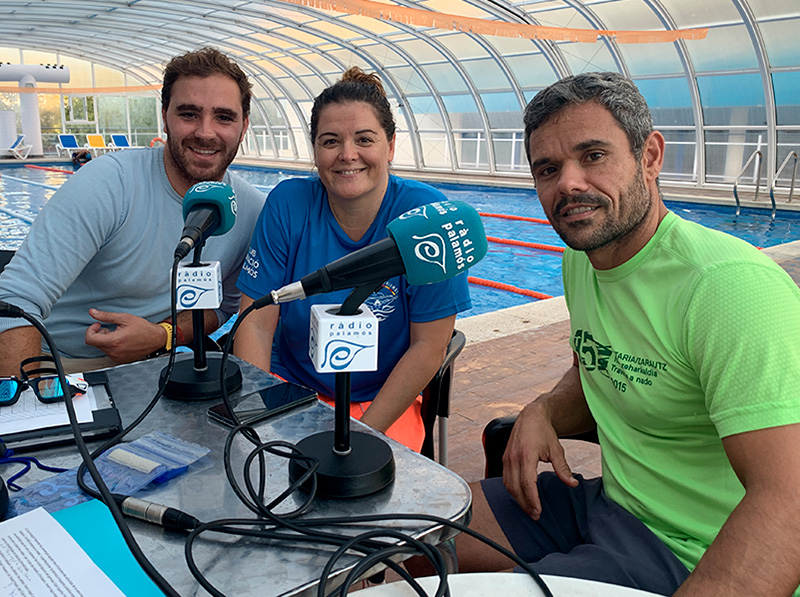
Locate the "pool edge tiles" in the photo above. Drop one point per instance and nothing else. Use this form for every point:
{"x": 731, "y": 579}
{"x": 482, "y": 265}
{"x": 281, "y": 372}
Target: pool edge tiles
{"x": 511, "y": 320}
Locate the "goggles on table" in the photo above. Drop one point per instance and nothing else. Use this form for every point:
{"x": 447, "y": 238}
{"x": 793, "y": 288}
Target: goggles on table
{"x": 43, "y": 380}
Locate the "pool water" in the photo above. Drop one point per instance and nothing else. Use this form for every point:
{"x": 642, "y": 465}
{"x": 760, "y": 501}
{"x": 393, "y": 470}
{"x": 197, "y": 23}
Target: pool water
{"x": 532, "y": 269}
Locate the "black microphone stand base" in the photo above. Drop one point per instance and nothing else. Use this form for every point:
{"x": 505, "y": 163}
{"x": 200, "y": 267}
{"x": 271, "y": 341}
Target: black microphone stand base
{"x": 187, "y": 383}
{"x": 366, "y": 469}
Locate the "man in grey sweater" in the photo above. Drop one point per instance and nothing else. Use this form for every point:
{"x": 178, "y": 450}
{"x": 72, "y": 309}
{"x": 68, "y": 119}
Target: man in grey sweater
{"x": 95, "y": 266}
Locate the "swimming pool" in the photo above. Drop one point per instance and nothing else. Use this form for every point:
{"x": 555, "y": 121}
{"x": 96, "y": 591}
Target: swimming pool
{"x": 23, "y": 192}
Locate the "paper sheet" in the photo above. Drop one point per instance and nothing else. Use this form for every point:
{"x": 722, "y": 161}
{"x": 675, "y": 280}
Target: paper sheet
{"x": 41, "y": 558}
{"x": 29, "y": 413}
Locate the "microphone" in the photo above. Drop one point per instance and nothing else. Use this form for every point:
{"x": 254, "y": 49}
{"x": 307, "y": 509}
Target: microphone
{"x": 428, "y": 244}
{"x": 209, "y": 209}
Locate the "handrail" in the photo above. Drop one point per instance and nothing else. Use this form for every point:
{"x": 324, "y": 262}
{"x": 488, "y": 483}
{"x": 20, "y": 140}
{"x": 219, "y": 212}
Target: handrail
{"x": 757, "y": 152}
{"x": 775, "y": 180}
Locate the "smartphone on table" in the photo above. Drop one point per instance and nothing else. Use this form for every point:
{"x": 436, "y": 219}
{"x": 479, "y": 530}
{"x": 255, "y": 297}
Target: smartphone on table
{"x": 265, "y": 403}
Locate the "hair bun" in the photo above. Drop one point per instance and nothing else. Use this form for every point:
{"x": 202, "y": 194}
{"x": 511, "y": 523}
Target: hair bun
{"x": 356, "y": 75}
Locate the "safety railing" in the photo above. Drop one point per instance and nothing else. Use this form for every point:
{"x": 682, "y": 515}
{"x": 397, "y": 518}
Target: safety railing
{"x": 791, "y": 154}
{"x": 754, "y": 155}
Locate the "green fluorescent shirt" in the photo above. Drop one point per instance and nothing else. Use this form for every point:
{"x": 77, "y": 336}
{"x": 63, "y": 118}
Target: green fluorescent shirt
{"x": 693, "y": 339}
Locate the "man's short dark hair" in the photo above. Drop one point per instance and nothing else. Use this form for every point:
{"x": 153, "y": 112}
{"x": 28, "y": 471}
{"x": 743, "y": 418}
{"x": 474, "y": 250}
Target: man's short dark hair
{"x": 204, "y": 63}
{"x": 618, "y": 94}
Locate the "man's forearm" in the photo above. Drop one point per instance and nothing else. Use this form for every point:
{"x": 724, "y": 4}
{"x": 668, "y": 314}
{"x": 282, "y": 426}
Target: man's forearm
{"x": 17, "y": 344}
{"x": 755, "y": 553}
{"x": 186, "y": 325}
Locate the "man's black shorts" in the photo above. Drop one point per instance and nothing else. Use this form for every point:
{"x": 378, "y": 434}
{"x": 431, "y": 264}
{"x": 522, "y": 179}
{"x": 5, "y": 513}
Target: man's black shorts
{"x": 583, "y": 534}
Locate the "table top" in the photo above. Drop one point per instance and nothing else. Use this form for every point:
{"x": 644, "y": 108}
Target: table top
{"x": 248, "y": 567}
{"x": 489, "y": 584}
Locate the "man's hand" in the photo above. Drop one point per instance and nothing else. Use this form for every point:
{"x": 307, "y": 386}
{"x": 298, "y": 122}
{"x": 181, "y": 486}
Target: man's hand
{"x": 132, "y": 339}
{"x": 533, "y": 440}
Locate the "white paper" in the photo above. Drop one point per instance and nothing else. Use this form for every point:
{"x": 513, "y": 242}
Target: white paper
{"x": 41, "y": 558}
{"x": 30, "y": 413}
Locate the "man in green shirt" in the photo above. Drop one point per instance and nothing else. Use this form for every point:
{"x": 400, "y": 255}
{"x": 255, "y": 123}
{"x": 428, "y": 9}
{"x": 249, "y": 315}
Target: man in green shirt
{"x": 686, "y": 360}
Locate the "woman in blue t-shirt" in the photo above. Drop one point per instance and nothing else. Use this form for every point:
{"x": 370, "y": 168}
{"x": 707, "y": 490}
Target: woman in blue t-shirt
{"x": 307, "y": 223}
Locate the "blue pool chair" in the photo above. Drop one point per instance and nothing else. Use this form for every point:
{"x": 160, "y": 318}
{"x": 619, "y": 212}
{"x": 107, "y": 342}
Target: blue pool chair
{"x": 18, "y": 149}
{"x": 67, "y": 143}
{"x": 120, "y": 142}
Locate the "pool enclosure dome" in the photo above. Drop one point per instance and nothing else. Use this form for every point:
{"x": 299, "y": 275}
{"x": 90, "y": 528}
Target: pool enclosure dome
{"x": 722, "y": 77}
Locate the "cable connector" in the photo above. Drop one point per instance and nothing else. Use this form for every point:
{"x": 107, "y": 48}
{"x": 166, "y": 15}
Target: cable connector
{"x": 164, "y": 516}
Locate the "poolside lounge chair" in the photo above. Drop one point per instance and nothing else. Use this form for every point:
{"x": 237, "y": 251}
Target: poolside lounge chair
{"x": 120, "y": 142}
{"x": 17, "y": 149}
{"x": 97, "y": 144}
{"x": 67, "y": 143}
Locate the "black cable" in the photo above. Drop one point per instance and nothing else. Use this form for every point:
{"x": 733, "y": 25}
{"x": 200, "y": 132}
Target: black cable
{"x": 284, "y": 527}
{"x": 308, "y": 530}
{"x": 105, "y": 494}
{"x": 152, "y": 404}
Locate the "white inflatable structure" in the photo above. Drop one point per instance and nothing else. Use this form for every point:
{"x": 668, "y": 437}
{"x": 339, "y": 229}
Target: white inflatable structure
{"x": 28, "y": 75}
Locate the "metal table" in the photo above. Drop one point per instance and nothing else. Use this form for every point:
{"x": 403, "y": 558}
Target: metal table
{"x": 241, "y": 566}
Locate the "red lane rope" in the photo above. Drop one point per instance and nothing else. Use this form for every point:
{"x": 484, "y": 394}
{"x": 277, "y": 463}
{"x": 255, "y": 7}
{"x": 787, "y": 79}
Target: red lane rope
{"x": 522, "y": 243}
{"x": 46, "y": 168}
{"x": 509, "y": 287}
{"x": 522, "y": 218}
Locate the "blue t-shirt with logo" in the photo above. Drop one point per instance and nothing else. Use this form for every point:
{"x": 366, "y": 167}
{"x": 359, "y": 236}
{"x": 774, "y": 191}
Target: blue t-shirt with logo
{"x": 297, "y": 234}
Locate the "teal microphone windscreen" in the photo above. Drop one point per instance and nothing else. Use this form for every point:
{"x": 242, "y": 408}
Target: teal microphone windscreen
{"x": 209, "y": 209}
{"x": 218, "y": 196}
{"x": 439, "y": 240}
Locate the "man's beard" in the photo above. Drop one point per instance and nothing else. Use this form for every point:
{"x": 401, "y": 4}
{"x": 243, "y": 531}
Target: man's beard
{"x": 184, "y": 166}
{"x": 635, "y": 198}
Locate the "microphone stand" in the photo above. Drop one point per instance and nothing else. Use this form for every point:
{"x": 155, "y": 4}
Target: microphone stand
{"x": 199, "y": 378}
{"x": 354, "y": 464}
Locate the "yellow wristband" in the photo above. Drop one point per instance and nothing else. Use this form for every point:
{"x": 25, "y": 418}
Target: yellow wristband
{"x": 168, "y": 327}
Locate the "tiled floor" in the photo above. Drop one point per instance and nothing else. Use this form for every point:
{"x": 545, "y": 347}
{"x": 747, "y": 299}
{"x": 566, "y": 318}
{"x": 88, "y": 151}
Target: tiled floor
{"x": 499, "y": 376}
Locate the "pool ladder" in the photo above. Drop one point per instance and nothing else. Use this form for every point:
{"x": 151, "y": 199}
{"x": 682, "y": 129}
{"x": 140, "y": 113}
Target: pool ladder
{"x": 756, "y": 155}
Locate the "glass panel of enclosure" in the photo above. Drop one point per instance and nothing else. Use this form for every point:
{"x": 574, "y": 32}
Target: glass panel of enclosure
{"x": 691, "y": 13}
{"x": 669, "y": 100}
{"x": 471, "y": 148}
{"x": 403, "y": 151}
{"x": 786, "y": 86}
{"x": 780, "y": 40}
{"x": 435, "y": 150}
{"x": 532, "y": 70}
{"x": 728, "y": 150}
{"x": 651, "y": 59}
{"x": 112, "y": 115}
{"x": 788, "y": 151}
{"x": 49, "y": 119}
{"x": 144, "y": 111}
{"x": 724, "y": 48}
{"x": 680, "y": 154}
{"x": 408, "y": 80}
{"x": 509, "y": 151}
{"x": 426, "y": 112}
{"x": 732, "y": 100}
{"x": 588, "y": 57}
{"x": 462, "y": 45}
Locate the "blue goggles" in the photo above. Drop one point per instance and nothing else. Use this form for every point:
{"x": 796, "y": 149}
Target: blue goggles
{"x": 42, "y": 380}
